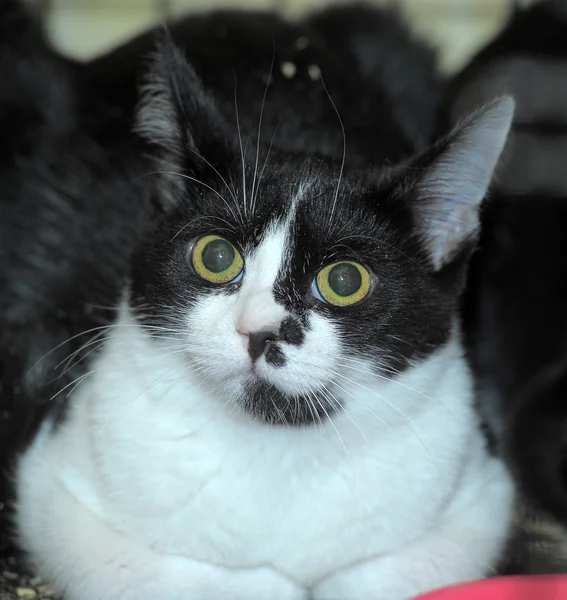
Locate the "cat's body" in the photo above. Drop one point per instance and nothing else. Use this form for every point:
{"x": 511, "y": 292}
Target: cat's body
{"x": 212, "y": 505}
{"x": 264, "y": 436}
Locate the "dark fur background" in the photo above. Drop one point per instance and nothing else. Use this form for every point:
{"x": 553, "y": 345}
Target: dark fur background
{"x": 515, "y": 309}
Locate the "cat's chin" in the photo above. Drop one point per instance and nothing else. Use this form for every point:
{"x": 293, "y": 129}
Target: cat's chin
{"x": 266, "y": 403}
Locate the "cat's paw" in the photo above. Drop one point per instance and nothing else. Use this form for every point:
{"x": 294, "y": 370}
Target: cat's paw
{"x": 185, "y": 579}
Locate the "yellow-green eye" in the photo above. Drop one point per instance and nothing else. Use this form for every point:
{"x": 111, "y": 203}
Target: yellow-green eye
{"x": 342, "y": 283}
{"x": 217, "y": 260}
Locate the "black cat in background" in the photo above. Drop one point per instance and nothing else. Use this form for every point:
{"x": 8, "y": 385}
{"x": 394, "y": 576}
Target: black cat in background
{"x": 515, "y": 310}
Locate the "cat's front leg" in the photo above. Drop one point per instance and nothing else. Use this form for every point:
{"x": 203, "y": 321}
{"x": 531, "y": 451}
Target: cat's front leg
{"x": 465, "y": 545}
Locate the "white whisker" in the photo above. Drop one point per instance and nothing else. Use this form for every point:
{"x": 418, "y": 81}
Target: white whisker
{"x": 240, "y": 141}
{"x": 206, "y": 185}
{"x": 222, "y": 179}
{"x": 411, "y": 425}
{"x": 344, "y": 151}
{"x": 77, "y": 380}
{"x": 322, "y": 405}
{"x": 254, "y": 191}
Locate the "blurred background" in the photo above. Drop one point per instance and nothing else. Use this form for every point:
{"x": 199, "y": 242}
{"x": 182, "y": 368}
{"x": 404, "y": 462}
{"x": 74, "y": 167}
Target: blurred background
{"x": 84, "y": 28}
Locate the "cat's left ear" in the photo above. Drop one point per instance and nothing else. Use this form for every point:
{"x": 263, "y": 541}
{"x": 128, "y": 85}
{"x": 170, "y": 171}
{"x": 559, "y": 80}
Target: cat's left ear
{"x": 455, "y": 177}
{"x": 181, "y": 122}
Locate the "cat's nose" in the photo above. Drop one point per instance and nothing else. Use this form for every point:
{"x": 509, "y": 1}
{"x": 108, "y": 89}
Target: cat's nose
{"x": 258, "y": 341}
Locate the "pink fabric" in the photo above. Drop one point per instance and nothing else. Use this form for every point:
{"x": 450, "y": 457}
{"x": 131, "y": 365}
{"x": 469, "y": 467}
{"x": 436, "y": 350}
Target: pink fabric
{"x": 505, "y": 588}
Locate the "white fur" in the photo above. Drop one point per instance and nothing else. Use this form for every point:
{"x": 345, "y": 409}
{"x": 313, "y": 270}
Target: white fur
{"x": 158, "y": 487}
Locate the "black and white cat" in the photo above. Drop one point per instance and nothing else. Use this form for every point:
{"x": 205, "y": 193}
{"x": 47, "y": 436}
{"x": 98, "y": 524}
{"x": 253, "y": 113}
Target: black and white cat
{"x": 282, "y": 408}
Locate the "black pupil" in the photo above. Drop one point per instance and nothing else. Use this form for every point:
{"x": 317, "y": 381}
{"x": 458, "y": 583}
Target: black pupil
{"x": 345, "y": 279}
{"x": 218, "y": 256}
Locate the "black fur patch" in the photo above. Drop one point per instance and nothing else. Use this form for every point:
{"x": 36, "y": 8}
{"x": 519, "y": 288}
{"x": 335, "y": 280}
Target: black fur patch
{"x": 269, "y": 405}
{"x": 291, "y": 332}
{"x": 275, "y": 356}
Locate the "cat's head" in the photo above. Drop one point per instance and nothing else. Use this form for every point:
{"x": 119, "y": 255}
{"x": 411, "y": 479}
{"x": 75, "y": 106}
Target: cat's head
{"x": 286, "y": 279}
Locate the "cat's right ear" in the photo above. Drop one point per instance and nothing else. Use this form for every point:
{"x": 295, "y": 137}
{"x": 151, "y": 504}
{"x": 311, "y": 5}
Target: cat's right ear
{"x": 180, "y": 121}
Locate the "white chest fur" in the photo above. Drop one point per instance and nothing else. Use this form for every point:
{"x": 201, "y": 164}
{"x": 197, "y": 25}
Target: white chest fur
{"x": 174, "y": 470}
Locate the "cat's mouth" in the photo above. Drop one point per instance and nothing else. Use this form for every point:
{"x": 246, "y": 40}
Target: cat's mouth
{"x": 265, "y": 402}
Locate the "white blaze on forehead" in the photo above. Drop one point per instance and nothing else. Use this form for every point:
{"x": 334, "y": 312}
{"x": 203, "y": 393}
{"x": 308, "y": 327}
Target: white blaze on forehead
{"x": 260, "y": 311}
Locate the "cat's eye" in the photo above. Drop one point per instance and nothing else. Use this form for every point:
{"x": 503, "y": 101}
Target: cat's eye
{"x": 216, "y": 260}
{"x": 342, "y": 283}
